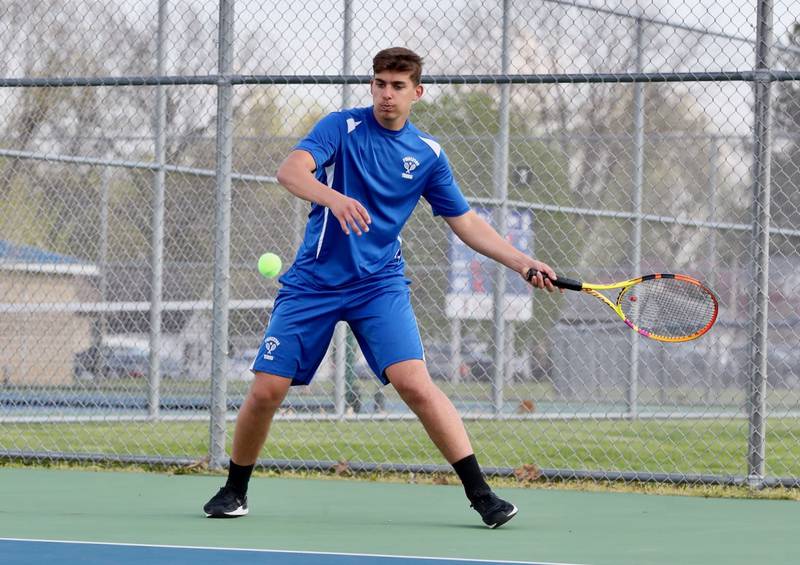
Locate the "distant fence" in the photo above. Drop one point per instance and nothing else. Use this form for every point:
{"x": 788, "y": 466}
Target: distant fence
{"x": 137, "y": 191}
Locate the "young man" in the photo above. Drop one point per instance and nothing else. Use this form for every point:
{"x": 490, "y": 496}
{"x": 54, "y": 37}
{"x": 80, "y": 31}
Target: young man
{"x": 364, "y": 170}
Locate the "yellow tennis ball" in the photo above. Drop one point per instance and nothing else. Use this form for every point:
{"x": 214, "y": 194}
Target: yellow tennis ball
{"x": 269, "y": 265}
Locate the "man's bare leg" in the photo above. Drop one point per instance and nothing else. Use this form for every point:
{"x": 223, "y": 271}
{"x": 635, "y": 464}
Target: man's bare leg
{"x": 255, "y": 416}
{"x": 446, "y": 429}
{"x": 252, "y": 427}
{"x": 431, "y": 405}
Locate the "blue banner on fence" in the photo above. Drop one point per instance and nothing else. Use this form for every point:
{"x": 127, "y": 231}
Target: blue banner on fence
{"x": 472, "y": 276}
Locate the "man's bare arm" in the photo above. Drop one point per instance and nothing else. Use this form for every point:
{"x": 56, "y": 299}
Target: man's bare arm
{"x": 296, "y": 174}
{"x": 483, "y": 238}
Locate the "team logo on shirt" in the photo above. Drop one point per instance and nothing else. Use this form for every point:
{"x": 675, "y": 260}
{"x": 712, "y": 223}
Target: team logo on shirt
{"x": 270, "y": 344}
{"x": 409, "y": 163}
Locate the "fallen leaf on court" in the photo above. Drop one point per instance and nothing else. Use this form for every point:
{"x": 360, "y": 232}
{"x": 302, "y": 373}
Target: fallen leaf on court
{"x": 342, "y": 468}
{"x": 526, "y": 405}
{"x": 527, "y": 473}
{"x": 199, "y": 465}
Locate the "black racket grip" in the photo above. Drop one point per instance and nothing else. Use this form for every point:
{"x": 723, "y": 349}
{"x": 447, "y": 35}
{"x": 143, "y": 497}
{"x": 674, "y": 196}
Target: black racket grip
{"x": 561, "y": 282}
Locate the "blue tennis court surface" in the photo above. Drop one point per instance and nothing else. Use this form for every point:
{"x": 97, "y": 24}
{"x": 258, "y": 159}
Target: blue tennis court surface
{"x": 28, "y": 552}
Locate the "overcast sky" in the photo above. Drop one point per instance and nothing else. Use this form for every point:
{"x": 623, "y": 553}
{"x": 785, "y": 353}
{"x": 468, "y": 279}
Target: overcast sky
{"x": 308, "y": 34}
{"x": 306, "y": 38}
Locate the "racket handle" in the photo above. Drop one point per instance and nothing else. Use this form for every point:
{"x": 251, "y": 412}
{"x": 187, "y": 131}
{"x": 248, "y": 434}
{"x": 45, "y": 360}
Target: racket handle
{"x": 561, "y": 282}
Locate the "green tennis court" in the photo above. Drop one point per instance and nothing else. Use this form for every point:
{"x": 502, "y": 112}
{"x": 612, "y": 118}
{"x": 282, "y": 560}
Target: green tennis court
{"x": 337, "y": 521}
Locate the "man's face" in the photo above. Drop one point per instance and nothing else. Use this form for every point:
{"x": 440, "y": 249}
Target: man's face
{"x": 392, "y": 95}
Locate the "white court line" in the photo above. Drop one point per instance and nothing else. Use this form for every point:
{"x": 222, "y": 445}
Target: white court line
{"x": 332, "y": 553}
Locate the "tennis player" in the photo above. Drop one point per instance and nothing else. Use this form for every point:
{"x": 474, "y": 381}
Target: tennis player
{"x": 364, "y": 171}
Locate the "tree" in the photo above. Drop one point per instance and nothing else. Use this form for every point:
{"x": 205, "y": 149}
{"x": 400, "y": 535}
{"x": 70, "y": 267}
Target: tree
{"x": 577, "y": 140}
{"x": 57, "y": 206}
{"x": 589, "y": 125}
{"x": 44, "y": 203}
{"x": 53, "y": 38}
{"x": 786, "y": 161}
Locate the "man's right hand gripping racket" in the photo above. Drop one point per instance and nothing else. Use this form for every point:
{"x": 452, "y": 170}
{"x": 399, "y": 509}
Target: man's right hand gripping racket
{"x": 663, "y": 306}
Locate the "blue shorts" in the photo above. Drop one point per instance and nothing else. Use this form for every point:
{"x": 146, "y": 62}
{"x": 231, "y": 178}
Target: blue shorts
{"x": 303, "y": 320}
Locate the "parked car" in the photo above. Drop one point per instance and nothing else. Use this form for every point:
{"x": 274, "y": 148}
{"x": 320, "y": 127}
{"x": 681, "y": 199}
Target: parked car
{"x": 119, "y": 361}
{"x": 475, "y": 363}
{"x": 783, "y": 364}
{"x": 437, "y": 358}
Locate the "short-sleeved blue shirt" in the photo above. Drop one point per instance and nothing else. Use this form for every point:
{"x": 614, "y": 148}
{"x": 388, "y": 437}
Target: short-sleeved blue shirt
{"x": 387, "y": 172}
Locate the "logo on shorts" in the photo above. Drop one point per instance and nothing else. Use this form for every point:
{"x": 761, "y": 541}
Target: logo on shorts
{"x": 270, "y": 344}
{"x": 409, "y": 163}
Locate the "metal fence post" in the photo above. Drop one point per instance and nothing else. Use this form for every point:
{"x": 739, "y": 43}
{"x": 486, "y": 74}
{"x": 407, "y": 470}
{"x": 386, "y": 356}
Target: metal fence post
{"x": 762, "y": 145}
{"x": 344, "y": 371}
{"x": 224, "y": 151}
{"x": 347, "y": 50}
{"x": 638, "y": 183}
{"x": 340, "y": 358}
{"x": 157, "y": 250}
{"x": 713, "y": 174}
{"x": 501, "y": 218}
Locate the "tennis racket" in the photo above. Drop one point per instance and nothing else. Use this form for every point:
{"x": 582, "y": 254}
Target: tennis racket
{"x": 663, "y": 306}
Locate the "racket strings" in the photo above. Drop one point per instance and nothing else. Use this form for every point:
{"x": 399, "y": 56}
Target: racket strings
{"x": 668, "y": 307}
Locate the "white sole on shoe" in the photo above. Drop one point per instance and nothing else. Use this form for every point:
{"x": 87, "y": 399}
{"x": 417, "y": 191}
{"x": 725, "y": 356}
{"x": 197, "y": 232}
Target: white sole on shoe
{"x": 508, "y": 517}
{"x": 236, "y": 513}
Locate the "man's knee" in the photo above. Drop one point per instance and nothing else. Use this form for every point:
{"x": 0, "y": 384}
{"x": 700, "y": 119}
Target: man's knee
{"x": 411, "y": 380}
{"x": 268, "y": 391}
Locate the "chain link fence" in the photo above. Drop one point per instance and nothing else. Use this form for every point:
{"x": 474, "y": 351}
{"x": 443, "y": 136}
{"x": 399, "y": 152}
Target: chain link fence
{"x": 137, "y": 191}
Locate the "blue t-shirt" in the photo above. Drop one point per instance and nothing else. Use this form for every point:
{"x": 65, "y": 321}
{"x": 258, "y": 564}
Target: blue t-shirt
{"x": 387, "y": 172}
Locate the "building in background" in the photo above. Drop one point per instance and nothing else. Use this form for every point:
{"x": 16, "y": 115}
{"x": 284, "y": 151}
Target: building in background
{"x": 41, "y": 328}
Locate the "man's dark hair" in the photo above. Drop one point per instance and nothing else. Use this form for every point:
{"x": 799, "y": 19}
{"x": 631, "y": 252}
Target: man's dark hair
{"x": 398, "y": 59}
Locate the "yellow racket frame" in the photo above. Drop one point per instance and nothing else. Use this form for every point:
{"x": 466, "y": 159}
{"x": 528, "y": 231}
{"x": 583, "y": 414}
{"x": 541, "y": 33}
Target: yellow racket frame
{"x": 625, "y": 286}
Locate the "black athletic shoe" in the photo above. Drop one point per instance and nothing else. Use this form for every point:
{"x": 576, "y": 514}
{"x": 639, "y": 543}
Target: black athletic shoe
{"x": 226, "y": 504}
{"x": 494, "y": 511}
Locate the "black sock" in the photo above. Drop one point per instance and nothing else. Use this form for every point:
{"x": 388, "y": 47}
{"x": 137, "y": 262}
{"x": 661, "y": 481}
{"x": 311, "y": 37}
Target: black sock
{"x": 471, "y": 477}
{"x": 238, "y": 477}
